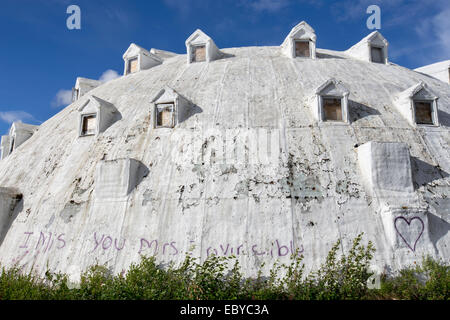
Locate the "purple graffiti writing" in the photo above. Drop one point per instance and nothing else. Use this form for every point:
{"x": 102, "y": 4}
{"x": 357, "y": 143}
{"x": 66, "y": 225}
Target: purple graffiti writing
{"x": 145, "y": 244}
{"x": 45, "y": 241}
{"x": 281, "y": 250}
{"x": 106, "y": 242}
{"x": 400, "y": 220}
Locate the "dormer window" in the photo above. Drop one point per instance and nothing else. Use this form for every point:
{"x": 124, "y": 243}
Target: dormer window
{"x": 200, "y": 47}
{"x": 83, "y": 86}
{"x": 373, "y": 48}
{"x": 376, "y": 54}
{"x": 137, "y": 59}
{"x": 418, "y": 105}
{"x": 198, "y": 54}
{"x": 300, "y": 42}
{"x": 332, "y": 108}
{"x": 132, "y": 65}
{"x": 169, "y": 108}
{"x": 423, "y": 112}
{"x": 89, "y": 125}
{"x": 302, "y": 49}
{"x": 96, "y": 115}
{"x": 165, "y": 115}
{"x": 332, "y": 102}
{"x": 18, "y": 134}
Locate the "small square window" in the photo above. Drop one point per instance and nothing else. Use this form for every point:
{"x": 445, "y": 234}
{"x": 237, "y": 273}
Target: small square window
{"x": 88, "y": 125}
{"x": 377, "y": 54}
{"x": 332, "y": 109}
{"x": 132, "y": 65}
{"x": 302, "y": 49}
{"x": 424, "y": 112}
{"x": 164, "y": 116}
{"x": 198, "y": 53}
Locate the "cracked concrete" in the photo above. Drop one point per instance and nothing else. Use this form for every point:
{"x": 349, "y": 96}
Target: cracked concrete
{"x": 309, "y": 193}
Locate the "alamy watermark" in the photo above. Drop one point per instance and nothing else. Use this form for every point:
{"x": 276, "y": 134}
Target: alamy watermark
{"x": 374, "y": 21}
{"x": 238, "y": 147}
{"x": 73, "y": 22}
{"x": 374, "y": 281}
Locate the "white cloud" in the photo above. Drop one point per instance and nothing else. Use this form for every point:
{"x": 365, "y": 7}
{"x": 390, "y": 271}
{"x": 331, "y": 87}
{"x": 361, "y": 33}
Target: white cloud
{"x": 63, "y": 98}
{"x": 109, "y": 75}
{"x": 16, "y": 115}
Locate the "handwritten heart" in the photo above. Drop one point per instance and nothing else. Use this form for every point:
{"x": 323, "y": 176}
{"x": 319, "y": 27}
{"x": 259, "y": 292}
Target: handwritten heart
{"x": 400, "y": 220}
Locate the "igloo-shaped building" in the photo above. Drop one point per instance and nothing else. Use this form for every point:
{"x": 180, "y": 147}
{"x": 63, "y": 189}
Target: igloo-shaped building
{"x": 259, "y": 155}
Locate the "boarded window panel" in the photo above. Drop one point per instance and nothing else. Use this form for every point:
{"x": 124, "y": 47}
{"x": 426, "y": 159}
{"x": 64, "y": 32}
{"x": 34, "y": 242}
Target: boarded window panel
{"x": 423, "y": 112}
{"x": 199, "y": 54}
{"x": 377, "y": 54}
{"x": 164, "y": 117}
{"x": 302, "y": 49}
{"x": 133, "y": 65}
{"x": 332, "y": 109}
{"x": 89, "y": 125}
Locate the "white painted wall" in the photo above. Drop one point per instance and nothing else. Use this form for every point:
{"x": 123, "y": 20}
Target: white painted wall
{"x": 311, "y": 193}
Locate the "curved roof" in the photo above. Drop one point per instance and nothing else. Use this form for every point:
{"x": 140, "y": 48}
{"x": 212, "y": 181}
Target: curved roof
{"x": 311, "y": 195}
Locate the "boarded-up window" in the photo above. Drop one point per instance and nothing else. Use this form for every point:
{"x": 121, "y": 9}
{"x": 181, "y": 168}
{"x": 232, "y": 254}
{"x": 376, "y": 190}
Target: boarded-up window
{"x": 423, "y": 112}
{"x": 199, "y": 54}
{"x": 302, "y": 49}
{"x": 133, "y": 65}
{"x": 332, "y": 109}
{"x": 377, "y": 54}
{"x": 88, "y": 125}
{"x": 164, "y": 116}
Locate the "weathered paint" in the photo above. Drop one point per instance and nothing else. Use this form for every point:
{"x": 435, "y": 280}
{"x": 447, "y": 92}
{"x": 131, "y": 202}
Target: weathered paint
{"x": 208, "y": 190}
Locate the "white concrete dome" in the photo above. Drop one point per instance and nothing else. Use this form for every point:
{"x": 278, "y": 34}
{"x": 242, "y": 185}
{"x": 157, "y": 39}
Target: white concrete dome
{"x": 131, "y": 185}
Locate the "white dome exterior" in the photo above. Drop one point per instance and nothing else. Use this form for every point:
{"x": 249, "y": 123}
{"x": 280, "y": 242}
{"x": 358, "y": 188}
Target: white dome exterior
{"x": 134, "y": 189}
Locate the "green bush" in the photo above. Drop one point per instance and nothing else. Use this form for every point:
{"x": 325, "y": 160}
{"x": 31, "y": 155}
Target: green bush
{"x": 341, "y": 276}
{"x": 428, "y": 281}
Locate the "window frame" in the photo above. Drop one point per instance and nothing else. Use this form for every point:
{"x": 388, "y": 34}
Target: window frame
{"x": 82, "y": 119}
{"x": 433, "y": 110}
{"x": 322, "y": 110}
{"x": 308, "y": 41}
{"x": 163, "y": 106}
{"x": 383, "y": 56}
{"x": 194, "y": 55}
{"x": 129, "y": 64}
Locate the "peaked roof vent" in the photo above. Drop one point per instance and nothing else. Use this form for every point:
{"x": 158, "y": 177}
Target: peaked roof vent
{"x": 105, "y": 114}
{"x": 300, "y": 42}
{"x": 200, "y": 47}
{"x": 373, "y": 48}
{"x": 412, "y": 104}
{"x": 137, "y": 59}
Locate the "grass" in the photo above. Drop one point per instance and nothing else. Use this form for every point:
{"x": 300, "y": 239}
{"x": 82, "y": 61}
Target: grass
{"x": 219, "y": 278}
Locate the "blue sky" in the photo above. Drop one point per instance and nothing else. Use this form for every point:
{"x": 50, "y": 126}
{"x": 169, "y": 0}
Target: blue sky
{"x": 41, "y": 58}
